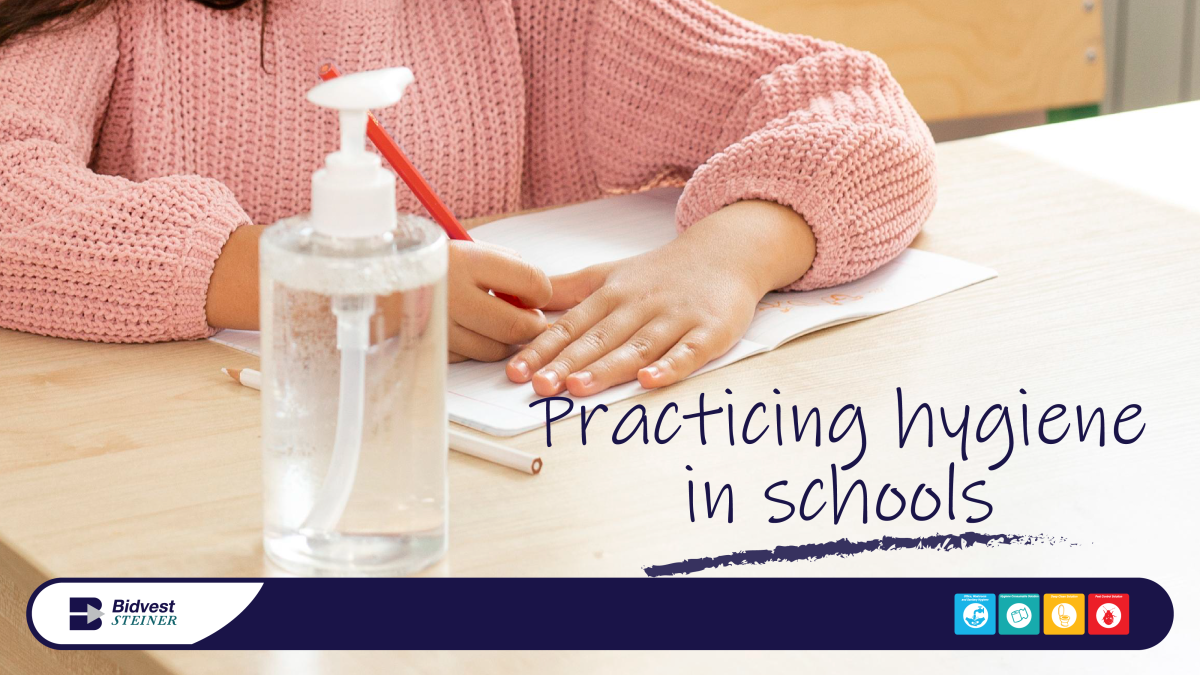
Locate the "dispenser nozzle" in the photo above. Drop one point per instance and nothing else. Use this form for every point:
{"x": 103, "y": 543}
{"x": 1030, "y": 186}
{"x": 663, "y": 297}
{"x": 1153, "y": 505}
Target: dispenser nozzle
{"x": 353, "y": 196}
{"x": 362, "y": 91}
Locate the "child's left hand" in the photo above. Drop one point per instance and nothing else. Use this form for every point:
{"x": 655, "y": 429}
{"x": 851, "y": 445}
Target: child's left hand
{"x": 660, "y": 316}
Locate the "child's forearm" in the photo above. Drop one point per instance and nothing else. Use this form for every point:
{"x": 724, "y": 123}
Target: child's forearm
{"x": 233, "y": 288}
{"x": 770, "y": 242}
{"x": 765, "y": 240}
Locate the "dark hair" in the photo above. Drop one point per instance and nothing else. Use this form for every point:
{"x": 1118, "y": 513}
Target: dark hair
{"x": 18, "y": 16}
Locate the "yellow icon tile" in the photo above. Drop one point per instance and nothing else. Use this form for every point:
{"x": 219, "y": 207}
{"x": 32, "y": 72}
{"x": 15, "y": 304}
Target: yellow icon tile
{"x": 1064, "y": 613}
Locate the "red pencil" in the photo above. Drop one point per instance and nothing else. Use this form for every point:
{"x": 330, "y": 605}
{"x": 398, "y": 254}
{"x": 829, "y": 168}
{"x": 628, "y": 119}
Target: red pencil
{"x": 413, "y": 179}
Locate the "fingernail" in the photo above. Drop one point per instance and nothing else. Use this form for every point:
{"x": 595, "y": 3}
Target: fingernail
{"x": 521, "y": 367}
{"x": 653, "y": 371}
{"x": 584, "y": 378}
{"x": 551, "y": 378}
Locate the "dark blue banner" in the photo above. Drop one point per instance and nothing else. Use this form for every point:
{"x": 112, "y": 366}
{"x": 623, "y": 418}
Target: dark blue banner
{"x": 571, "y": 613}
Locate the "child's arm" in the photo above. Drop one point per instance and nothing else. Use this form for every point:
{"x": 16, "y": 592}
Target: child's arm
{"x": 681, "y": 88}
{"x": 748, "y": 113}
{"x": 84, "y": 255}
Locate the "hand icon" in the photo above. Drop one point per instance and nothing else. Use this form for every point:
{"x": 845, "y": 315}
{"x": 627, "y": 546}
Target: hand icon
{"x": 975, "y": 615}
{"x": 1064, "y": 617}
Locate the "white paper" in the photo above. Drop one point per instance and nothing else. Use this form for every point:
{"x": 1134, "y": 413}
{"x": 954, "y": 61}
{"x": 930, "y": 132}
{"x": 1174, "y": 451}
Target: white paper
{"x": 480, "y": 396}
{"x": 245, "y": 340}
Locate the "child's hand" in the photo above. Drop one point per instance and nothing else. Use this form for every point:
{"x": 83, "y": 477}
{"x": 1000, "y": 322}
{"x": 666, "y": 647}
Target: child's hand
{"x": 660, "y": 316}
{"x": 482, "y": 326}
{"x": 657, "y": 317}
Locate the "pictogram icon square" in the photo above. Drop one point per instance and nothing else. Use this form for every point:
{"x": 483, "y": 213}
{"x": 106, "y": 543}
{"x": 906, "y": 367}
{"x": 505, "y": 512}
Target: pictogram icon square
{"x": 1019, "y": 614}
{"x": 1064, "y": 614}
{"x": 974, "y": 614}
{"x": 1108, "y": 614}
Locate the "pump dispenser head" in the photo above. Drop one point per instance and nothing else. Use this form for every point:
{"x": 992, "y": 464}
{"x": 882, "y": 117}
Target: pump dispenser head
{"x": 353, "y": 195}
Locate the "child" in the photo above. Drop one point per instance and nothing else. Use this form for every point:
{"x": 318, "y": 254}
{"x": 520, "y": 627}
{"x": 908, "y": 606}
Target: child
{"x": 141, "y": 141}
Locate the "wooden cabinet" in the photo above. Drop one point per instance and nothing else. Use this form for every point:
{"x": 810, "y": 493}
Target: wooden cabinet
{"x": 962, "y": 58}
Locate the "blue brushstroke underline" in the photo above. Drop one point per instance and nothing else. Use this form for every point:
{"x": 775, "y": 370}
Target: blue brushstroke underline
{"x": 844, "y": 548}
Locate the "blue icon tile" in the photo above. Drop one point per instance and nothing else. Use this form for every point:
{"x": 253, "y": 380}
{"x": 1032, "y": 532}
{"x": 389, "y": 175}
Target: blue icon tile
{"x": 974, "y": 614}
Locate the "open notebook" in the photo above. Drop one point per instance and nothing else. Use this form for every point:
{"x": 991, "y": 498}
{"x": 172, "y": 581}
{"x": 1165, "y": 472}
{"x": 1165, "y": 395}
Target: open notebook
{"x": 480, "y": 396}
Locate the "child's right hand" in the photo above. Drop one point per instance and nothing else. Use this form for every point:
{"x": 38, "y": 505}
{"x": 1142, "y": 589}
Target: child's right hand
{"x": 482, "y": 326}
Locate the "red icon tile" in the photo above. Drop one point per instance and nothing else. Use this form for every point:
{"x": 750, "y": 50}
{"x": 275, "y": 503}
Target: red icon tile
{"x": 1108, "y": 614}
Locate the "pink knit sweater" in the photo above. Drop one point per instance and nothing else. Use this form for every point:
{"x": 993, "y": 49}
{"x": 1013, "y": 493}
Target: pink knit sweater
{"x": 131, "y": 145}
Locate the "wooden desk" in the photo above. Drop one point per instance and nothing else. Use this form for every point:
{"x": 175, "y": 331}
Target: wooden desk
{"x": 143, "y": 460}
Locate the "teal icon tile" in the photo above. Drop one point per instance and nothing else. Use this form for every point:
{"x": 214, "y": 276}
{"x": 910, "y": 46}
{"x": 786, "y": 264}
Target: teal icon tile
{"x": 1019, "y": 614}
{"x": 974, "y": 614}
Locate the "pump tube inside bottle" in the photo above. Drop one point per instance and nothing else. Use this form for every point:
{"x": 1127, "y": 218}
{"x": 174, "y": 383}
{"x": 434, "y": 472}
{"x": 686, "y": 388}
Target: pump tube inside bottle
{"x": 353, "y": 338}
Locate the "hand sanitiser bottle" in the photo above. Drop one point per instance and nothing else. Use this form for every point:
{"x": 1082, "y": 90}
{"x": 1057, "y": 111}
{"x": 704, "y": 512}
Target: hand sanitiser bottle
{"x": 354, "y": 363}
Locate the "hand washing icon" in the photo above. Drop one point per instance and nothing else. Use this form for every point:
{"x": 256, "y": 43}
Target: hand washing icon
{"x": 975, "y": 615}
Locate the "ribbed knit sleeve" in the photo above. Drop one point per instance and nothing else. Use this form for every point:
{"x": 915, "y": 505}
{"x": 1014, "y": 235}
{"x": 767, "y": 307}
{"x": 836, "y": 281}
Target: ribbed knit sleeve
{"x": 84, "y": 255}
{"x": 680, "y": 86}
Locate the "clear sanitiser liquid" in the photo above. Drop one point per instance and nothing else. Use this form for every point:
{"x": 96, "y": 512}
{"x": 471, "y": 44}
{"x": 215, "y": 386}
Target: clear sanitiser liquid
{"x": 395, "y": 520}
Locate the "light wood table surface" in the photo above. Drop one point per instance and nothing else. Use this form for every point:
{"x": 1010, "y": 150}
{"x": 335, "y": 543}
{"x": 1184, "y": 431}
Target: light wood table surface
{"x": 144, "y": 460}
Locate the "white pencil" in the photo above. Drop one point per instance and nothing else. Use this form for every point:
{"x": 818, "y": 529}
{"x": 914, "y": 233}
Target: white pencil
{"x": 468, "y": 445}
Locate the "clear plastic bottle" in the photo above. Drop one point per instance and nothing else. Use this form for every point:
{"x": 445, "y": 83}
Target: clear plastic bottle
{"x": 353, "y": 317}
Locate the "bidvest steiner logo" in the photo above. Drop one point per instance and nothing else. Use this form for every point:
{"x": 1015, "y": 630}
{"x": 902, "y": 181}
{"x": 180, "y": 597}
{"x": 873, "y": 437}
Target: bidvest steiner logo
{"x": 90, "y": 618}
{"x": 86, "y": 613}
{"x": 140, "y": 613}
{"x": 102, "y": 612}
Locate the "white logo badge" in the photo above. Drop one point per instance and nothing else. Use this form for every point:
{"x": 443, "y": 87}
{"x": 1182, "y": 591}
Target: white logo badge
{"x": 1108, "y": 615}
{"x": 1063, "y": 615}
{"x": 975, "y": 615}
{"x": 1019, "y": 615}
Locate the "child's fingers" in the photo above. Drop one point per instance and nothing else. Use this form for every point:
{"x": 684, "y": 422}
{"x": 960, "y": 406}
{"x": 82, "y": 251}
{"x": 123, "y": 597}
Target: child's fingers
{"x": 622, "y": 364}
{"x": 695, "y": 349}
{"x": 494, "y": 318}
{"x": 472, "y": 345}
{"x": 571, "y": 289}
{"x": 504, "y": 273}
{"x": 594, "y": 343}
{"x": 554, "y": 339}
{"x": 451, "y": 357}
